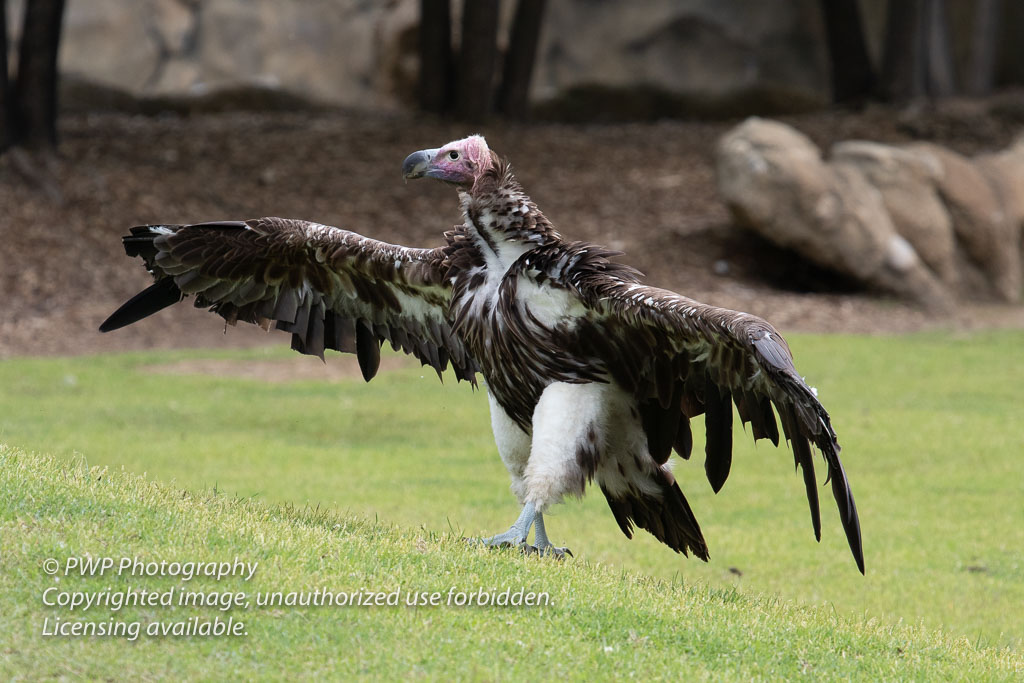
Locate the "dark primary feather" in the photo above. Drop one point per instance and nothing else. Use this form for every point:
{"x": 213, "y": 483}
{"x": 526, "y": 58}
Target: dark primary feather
{"x": 367, "y": 351}
{"x": 156, "y": 297}
{"x": 718, "y": 438}
{"x": 802, "y": 459}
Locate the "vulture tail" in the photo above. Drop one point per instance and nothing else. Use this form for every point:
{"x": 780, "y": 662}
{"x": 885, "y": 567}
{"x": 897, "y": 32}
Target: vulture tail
{"x": 154, "y": 298}
{"x": 666, "y": 515}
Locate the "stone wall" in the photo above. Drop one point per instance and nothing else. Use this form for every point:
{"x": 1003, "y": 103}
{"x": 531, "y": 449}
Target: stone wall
{"x": 362, "y": 54}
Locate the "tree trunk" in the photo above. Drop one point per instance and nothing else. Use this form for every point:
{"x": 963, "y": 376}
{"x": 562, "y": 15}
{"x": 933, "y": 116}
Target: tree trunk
{"x": 435, "y": 86}
{"x": 35, "y": 90}
{"x": 853, "y": 78}
{"x": 1010, "y": 58}
{"x": 903, "y": 74}
{"x": 476, "y": 65}
{"x": 513, "y": 97}
{"x": 941, "y": 79}
{"x": 6, "y": 119}
{"x": 984, "y": 45}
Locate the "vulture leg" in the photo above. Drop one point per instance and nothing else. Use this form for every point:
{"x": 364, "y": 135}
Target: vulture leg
{"x": 542, "y": 545}
{"x": 520, "y": 529}
{"x": 517, "y": 533}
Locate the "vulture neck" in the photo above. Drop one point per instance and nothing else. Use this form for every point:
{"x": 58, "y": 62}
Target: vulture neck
{"x": 502, "y": 220}
{"x": 499, "y": 252}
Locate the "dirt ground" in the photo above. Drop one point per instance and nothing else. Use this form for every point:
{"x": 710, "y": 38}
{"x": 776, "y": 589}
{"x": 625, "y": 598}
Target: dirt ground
{"x": 646, "y": 189}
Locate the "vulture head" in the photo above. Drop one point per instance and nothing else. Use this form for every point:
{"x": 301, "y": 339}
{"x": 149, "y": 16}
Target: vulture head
{"x": 460, "y": 162}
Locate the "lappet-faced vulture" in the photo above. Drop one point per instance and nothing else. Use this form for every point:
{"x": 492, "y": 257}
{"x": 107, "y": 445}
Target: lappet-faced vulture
{"x": 591, "y": 375}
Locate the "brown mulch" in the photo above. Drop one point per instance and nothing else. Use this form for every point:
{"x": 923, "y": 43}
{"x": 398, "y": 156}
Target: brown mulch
{"x": 646, "y": 189}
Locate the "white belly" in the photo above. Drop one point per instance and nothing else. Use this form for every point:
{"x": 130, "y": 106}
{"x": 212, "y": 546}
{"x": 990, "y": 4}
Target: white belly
{"x": 579, "y": 432}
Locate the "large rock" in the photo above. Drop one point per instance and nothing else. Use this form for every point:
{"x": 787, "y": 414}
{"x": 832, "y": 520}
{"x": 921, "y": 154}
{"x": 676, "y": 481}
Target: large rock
{"x": 990, "y": 238}
{"x": 708, "y": 49}
{"x": 775, "y": 182}
{"x": 907, "y": 180}
{"x": 329, "y": 51}
{"x": 919, "y": 220}
{"x": 1005, "y": 171}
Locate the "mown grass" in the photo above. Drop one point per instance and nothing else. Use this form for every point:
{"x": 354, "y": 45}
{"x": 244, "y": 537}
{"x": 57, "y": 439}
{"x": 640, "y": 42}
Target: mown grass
{"x": 599, "y": 623}
{"x": 931, "y": 428}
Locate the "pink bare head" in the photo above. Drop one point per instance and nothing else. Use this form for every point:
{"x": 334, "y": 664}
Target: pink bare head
{"x": 460, "y": 162}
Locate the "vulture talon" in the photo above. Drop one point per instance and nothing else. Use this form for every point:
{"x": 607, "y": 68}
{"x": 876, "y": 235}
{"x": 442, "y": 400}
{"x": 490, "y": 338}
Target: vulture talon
{"x": 551, "y": 551}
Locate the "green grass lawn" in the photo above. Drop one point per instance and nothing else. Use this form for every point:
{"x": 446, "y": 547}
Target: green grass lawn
{"x": 593, "y": 622}
{"x": 932, "y": 429}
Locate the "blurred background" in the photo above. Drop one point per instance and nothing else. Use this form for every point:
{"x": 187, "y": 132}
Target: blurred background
{"x": 893, "y": 200}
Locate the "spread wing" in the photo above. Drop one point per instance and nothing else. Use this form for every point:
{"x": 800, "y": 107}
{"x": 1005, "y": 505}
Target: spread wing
{"x": 330, "y": 288}
{"x": 681, "y": 359}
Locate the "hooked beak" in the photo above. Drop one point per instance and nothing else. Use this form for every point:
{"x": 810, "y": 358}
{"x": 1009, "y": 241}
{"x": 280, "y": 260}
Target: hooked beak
{"x": 416, "y": 164}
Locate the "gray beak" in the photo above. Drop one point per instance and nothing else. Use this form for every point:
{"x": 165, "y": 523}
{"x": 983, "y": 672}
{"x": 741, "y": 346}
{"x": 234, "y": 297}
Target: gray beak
{"x": 415, "y": 165}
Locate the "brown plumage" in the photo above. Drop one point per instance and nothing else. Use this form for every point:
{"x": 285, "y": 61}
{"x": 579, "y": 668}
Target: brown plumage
{"x": 591, "y": 374}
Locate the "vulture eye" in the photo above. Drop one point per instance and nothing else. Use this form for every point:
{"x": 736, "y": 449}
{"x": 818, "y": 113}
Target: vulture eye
{"x": 453, "y": 155}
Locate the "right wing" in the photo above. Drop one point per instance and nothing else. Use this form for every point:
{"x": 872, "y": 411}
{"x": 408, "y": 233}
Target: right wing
{"x": 681, "y": 358}
{"x": 330, "y": 288}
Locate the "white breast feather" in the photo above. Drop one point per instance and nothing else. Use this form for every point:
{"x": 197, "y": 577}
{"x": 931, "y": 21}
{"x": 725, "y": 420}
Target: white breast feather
{"x": 549, "y": 305}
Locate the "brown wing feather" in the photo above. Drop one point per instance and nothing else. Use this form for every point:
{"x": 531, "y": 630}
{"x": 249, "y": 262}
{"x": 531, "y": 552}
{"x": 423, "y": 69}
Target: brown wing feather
{"x": 329, "y": 288}
{"x": 727, "y": 357}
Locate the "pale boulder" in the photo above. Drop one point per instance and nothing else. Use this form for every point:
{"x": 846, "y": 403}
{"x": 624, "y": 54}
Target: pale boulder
{"x": 775, "y": 182}
{"x": 987, "y": 233}
{"x": 907, "y": 181}
{"x": 1005, "y": 172}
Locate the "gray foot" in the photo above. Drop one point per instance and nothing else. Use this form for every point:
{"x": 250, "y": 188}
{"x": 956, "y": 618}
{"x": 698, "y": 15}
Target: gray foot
{"x": 541, "y": 544}
{"x": 520, "y": 530}
{"x": 510, "y": 538}
{"x": 517, "y": 533}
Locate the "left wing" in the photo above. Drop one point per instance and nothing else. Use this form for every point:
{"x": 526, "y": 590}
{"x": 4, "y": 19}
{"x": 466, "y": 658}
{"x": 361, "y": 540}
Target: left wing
{"x": 681, "y": 359}
{"x": 330, "y": 288}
